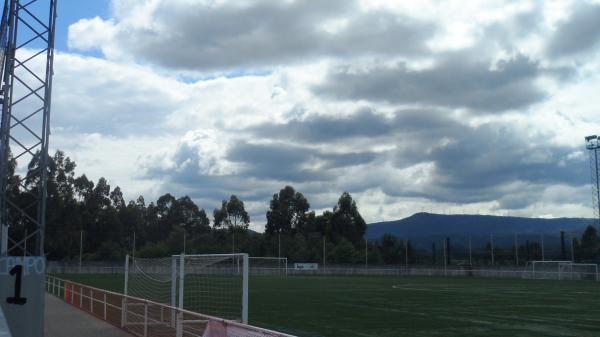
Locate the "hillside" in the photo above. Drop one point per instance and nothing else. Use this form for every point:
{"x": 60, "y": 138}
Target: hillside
{"x": 424, "y": 225}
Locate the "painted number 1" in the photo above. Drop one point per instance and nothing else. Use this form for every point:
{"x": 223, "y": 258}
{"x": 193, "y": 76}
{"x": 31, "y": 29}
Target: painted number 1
{"x": 17, "y": 299}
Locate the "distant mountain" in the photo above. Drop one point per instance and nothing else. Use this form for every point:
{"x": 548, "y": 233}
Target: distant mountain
{"x": 427, "y": 225}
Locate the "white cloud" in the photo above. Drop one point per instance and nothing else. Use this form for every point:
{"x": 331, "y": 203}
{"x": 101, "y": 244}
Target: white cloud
{"x": 210, "y": 98}
{"x": 93, "y": 33}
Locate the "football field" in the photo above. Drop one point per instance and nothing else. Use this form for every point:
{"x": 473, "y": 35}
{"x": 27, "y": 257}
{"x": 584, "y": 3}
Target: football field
{"x": 414, "y": 306}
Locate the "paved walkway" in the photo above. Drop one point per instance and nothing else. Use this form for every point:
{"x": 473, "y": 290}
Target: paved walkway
{"x": 63, "y": 320}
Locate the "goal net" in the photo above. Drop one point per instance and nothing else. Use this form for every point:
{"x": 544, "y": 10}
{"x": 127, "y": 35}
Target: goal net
{"x": 560, "y": 270}
{"x": 211, "y": 284}
{"x": 260, "y": 265}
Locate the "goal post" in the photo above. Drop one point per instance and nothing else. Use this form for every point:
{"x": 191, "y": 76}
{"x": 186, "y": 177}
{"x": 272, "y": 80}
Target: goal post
{"x": 210, "y": 284}
{"x": 265, "y": 265}
{"x": 560, "y": 270}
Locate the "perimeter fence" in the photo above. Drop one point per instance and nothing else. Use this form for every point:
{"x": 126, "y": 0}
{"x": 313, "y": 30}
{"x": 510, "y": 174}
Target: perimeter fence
{"x": 464, "y": 270}
{"x": 145, "y": 318}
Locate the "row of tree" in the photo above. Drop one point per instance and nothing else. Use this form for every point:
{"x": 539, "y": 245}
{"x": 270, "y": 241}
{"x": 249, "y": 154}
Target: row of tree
{"x": 85, "y": 213}
{"x": 91, "y": 214}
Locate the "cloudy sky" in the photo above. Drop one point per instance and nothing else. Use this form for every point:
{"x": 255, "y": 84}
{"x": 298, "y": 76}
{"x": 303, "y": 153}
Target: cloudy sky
{"x": 442, "y": 106}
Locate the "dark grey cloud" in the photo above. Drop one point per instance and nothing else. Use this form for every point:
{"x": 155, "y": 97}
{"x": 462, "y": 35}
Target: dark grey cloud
{"x": 364, "y": 123}
{"x": 232, "y": 36}
{"x": 265, "y": 170}
{"x": 497, "y": 155}
{"x": 471, "y": 164}
{"x": 277, "y": 162}
{"x": 580, "y": 33}
{"x": 521, "y": 25}
{"x": 479, "y": 164}
{"x": 208, "y": 189}
{"x": 293, "y": 163}
{"x": 458, "y": 80}
{"x": 325, "y": 128}
{"x": 342, "y": 160}
{"x": 490, "y": 162}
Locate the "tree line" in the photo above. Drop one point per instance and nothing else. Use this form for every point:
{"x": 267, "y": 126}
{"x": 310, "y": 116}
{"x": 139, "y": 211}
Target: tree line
{"x": 110, "y": 227}
{"x": 90, "y": 214}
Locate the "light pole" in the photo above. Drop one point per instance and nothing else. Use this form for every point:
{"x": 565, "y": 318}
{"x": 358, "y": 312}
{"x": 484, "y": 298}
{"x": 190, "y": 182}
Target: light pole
{"x": 406, "y": 253}
{"x": 542, "y": 242}
{"x": 470, "y": 252}
{"x": 516, "y": 250}
{"x": 445, "y": 261}
{"x": 80, "y": 248}
{"x": 592, "y": 143}
{"x": 572, "y": 249}
{"x": 492, "y": 246}
{"x": 324, "y": 253}
{"x": 366, "y": 255}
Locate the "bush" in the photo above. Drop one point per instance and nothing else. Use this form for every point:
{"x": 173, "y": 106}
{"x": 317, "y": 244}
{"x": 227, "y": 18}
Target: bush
{"x": 344, "y": 252}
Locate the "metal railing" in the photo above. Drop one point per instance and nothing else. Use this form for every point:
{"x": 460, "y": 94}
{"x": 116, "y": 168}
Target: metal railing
{"x": 146, "y": 318}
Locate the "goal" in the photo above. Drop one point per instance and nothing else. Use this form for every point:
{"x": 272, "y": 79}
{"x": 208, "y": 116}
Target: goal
{"x": 210, "y": 284}
{"x": 262, "y": 265}
{"x": 560, "y": 270}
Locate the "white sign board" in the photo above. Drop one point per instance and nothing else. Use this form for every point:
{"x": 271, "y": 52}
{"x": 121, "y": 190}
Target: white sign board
{"x": 306, "y": 266}
{"x": 22, "y": 294}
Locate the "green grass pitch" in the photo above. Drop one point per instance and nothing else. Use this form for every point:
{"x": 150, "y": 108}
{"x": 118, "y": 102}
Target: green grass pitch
{"x": 414, "y": 306}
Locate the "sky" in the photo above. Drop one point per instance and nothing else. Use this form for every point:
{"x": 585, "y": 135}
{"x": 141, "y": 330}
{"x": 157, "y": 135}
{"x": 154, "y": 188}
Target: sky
{"x": 437, "y": 106}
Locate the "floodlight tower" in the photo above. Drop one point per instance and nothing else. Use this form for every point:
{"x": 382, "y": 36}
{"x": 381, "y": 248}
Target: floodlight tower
{"x": 26, "y": 61}
{"x": 27, "y": 54}
{"x": 592, "y": 143}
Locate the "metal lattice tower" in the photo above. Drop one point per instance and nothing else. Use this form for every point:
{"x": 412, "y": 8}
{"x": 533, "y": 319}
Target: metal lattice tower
{"x": 592, "y": 143}
{"x": 27, "y": 47}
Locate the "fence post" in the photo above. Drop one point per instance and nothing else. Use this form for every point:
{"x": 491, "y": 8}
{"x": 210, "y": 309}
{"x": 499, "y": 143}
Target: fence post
{"x": 173, "y": 289}
{"x": 72, "y": 293}
{"x": 91, "y": 300}
{"x": 181, "y": 279}
{"x": 179, "y": 330}
{"x": 245, "y": 290}
{"x": 105, "y": 306}
{"x": 145, "y": 319}
{"x": 124, "y": 299}
{"x": 492, "y": 247}
{"x": 80, "y": 296}
{"x": 445, "y": 259}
